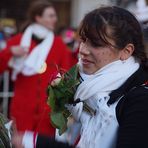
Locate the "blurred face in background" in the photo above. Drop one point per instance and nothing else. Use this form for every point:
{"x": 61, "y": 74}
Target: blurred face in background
{"x": 48, "y": 19}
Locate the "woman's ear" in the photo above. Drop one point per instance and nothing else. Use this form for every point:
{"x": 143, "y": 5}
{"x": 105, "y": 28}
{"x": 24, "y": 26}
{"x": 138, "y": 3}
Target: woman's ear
{"x": 127, "y": 52}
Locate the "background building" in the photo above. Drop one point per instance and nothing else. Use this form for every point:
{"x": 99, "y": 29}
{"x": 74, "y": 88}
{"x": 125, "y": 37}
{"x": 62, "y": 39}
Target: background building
{"x": 70, "y": 12}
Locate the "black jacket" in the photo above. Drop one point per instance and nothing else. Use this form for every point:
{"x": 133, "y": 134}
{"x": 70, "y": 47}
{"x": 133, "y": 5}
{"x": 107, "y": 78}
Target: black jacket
{"x": 46, "y": 142}
{"x": 131, "y": 112}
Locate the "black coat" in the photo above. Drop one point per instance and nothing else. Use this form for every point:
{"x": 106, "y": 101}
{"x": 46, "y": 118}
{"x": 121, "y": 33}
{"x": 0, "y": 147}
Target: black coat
{"x": 46, "y": 142}
{"x": 131, "y": 112}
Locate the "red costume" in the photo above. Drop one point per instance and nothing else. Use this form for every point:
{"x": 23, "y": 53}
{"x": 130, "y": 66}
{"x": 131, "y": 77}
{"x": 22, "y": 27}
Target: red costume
{"x": 28, "y": 106}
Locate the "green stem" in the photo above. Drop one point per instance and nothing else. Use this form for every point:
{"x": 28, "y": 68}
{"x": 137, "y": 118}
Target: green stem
{"x": 88, "y": 109}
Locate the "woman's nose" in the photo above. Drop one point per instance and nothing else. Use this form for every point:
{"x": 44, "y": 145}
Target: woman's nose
{"x": 84, "y": 49}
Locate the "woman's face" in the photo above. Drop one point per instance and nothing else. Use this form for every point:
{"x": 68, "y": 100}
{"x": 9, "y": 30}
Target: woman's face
{"x": 94, "y": 58}
{"x": 48, "y": 19}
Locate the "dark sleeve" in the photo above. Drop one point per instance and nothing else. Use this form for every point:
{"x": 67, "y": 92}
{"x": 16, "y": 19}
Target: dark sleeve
{"x": 133, "y": 124}
{"x": 46, "y": 142}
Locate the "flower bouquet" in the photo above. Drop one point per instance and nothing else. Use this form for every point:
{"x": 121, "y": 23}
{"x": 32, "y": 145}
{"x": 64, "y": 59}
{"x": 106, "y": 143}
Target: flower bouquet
{"x": 61, "y": 91}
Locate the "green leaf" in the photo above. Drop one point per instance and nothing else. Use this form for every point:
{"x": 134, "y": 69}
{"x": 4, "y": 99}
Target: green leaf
{"x": 73, "y": 72}
{"x": 66, "y": 113}
{"x": 59, "y": 93}
{"x": 51, "y": 99}
{"x": 59, "y": 121}
{"x": 63, "y": 90}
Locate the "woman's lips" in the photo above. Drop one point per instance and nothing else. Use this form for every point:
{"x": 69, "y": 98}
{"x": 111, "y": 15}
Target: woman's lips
{"x": 86, "y": 62}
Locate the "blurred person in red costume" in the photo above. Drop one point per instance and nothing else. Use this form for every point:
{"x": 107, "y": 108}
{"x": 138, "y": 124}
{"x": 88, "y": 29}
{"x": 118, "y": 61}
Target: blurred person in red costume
{"x": 32, "y": 56}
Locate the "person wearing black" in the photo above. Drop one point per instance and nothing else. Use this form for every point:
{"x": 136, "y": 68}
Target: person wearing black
{"x": 114, "y": 69}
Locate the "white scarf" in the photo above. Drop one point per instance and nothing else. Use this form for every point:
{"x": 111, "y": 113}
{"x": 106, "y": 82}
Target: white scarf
{"x": 94, "y": 88}
{"x": 30, "y": 65}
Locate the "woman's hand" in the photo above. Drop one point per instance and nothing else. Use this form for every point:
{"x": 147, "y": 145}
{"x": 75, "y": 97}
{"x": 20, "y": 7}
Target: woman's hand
{"x": 18, "y": 51}
{"x": 17, "y": 140}
{"x": 17, "y": 137}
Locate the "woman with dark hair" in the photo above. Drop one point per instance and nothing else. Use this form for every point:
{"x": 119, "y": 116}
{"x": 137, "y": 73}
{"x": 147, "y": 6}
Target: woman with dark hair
{"x": 114, "y": 69}
{"x": 33, "y": 55}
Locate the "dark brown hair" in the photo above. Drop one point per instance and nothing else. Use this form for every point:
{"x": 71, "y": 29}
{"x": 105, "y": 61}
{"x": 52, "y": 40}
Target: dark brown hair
{"x": 117, "y": 24}
{"x": 36, "y": 8}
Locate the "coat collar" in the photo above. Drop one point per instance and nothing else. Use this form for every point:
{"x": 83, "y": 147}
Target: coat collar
{"x": 137, "y": 79}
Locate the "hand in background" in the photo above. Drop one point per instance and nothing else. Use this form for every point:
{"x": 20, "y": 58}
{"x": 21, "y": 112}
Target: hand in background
{"x": 17, "y": 138}
{"x": 18, "y": 51}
